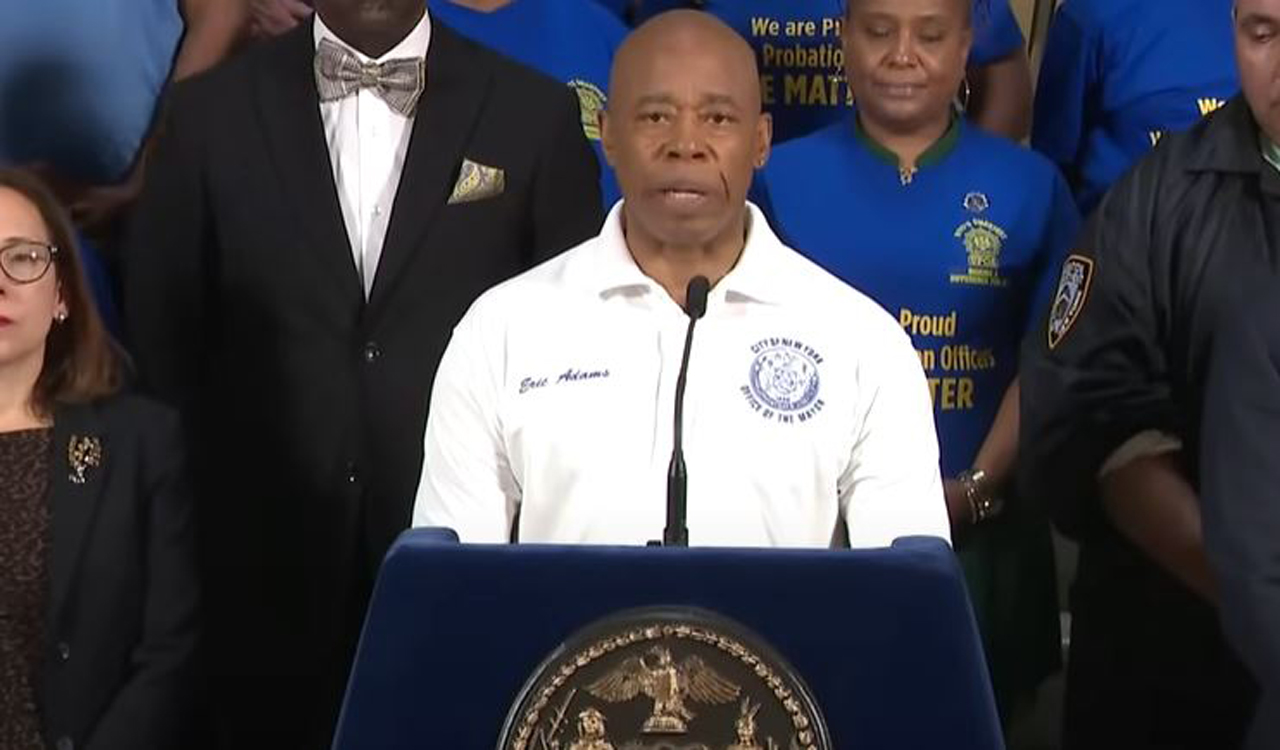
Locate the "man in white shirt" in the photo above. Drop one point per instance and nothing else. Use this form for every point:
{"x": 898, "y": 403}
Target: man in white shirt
{"x": 320, "y": 212}
{"x": 806, "y": 412}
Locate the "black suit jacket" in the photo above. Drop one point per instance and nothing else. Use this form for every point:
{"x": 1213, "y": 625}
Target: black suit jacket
{"x": 306, "y": 402}
{"x": 1240, "y": 465}
{"x": 120, "y": 631}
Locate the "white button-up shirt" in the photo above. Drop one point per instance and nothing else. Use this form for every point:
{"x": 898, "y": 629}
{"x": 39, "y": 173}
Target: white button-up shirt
{"x": 805, "y": 406}
{"x": 367, "y": 144}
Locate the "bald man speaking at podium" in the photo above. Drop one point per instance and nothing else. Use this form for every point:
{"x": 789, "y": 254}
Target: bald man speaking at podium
{"x": 808, "y": 419}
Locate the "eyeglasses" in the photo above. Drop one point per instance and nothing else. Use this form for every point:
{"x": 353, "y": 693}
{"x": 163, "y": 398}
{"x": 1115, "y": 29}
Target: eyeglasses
{"x": 26, "y": 261}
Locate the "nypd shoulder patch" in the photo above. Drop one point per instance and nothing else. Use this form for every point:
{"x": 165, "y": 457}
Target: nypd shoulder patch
{"x": 1069, "y": 299}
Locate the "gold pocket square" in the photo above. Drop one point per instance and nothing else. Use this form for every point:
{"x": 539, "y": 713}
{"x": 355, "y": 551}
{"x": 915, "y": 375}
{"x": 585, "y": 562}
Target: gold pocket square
{"x": 477, "y": 182}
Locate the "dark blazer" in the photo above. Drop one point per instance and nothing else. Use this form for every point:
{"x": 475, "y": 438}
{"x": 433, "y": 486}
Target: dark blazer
{"x": 306, "y": 402}
{"x": 121, "y": 626}
{"x": 1240, "y": 465}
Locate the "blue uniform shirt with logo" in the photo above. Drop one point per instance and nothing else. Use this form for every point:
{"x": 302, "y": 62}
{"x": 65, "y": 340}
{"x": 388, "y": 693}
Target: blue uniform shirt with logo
{"x": 80, "y": 80}
{"x": 572, "y": 41}
{"x": 964, "y": 255}
{"x": 1119, "y": 74}
{"x": 797, "y": 45}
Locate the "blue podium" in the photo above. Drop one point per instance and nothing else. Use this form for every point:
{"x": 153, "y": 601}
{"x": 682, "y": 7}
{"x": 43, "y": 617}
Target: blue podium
{"x": 885, "y": 639}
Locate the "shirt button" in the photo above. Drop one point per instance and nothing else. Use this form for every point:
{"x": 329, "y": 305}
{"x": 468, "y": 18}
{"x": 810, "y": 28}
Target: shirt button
{"x": 353, "y": 473}
{"x": 371, "y": 352}
{"x": 377, "y": 210}
{"x": 64, "y": 743}
{"x": 64, "y": 651}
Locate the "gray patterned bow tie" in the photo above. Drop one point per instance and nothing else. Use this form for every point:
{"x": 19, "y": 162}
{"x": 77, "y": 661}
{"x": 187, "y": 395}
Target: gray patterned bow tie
{"x": 397, "y": 82}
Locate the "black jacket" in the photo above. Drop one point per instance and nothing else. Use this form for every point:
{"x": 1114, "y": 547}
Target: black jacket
{"x": 1240, "y": 466}
{"x": 307, "y": 403}
{"x": 1125, "y": 349}
{"x": 121, "y": 627}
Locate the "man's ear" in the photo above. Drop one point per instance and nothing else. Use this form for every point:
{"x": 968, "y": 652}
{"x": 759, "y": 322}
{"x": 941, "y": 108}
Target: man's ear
{"x": 606, "y": 136}
{"x": 764, "y": 139}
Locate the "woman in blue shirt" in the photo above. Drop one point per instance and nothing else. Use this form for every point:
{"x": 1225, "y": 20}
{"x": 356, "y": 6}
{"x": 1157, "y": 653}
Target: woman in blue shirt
{"x": 1119, "y": 74}
{"x": 958, "y": 234}
{"x": 797, "y": 44}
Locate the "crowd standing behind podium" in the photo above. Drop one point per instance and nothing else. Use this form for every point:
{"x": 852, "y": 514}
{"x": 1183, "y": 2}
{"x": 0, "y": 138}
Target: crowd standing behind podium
{"x": 284, "y": 235}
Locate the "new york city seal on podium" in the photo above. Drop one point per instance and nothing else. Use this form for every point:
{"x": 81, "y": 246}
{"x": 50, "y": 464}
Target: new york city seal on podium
{"x": 665, "y": 679}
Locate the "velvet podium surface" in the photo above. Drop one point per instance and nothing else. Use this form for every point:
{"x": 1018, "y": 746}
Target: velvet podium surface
{"x": 885, "y": 639}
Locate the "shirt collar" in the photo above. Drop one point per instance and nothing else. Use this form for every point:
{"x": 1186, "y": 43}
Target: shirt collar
{"x": 940, "y": 149}
{"x": 414, "y": 45}
{"x": 758, "y": 275}
{"x": 1229, "y": 142}
{"x": 1270, "y": 151}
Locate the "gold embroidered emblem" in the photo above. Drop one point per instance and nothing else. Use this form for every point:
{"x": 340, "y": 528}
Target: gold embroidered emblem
{"x": 591, "y": 102}
{"x": 982, "y": 240}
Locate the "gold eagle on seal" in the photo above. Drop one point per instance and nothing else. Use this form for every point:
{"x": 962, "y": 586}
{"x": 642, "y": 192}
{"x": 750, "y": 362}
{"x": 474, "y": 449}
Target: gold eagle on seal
{"x": 667, "y": 684}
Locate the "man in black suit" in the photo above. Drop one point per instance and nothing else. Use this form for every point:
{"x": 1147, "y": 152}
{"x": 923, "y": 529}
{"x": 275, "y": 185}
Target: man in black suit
{"x": 320, "y": 212}
{"x": 1240, "y": 465}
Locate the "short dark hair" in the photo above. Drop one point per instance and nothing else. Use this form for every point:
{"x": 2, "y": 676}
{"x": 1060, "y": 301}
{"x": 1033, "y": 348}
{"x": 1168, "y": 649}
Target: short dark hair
{"x": 81, "y": 361}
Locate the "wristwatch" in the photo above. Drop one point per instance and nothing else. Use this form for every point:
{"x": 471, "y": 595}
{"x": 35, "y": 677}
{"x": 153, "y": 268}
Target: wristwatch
{"x": 983, "y": 504}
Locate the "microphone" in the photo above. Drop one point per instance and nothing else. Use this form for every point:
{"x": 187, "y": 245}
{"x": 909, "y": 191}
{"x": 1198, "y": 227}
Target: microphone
{"x": 676, "y": 534}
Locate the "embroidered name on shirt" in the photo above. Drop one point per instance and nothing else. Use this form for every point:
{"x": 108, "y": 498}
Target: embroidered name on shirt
{"x": 783, "y": 381}
{"x": 571, "y": 375}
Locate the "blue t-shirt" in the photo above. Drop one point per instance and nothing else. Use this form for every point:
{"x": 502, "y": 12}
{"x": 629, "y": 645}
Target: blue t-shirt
{"x": 80, "y": 80}
{"x": 1118, "y": 74}
{"x": 797, "y": 45}
{"x": 964, "y": 256}
{"x": 570, "y": 40}
{"x": 618, "y": 7}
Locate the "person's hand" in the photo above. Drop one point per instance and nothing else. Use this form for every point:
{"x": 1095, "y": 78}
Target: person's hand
{"x": 94, "y": 206}
{"x": 91, "y": 206}
{"x": 269, "y": 18}
{"x": 957, "y": 503}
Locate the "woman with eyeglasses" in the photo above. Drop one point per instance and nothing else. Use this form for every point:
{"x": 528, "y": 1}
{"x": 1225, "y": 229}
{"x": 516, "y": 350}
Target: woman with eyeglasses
{"x": 959, "y": 235}
{"x": 98, "y": 594}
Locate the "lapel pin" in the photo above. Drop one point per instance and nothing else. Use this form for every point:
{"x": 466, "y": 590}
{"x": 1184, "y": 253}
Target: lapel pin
{"x": 83, "y": 453}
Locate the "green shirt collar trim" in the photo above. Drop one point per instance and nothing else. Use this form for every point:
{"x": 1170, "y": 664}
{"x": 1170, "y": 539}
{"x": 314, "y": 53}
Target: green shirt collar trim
{"x": 940, "y": 149}
{"x": 1270, "y": 151}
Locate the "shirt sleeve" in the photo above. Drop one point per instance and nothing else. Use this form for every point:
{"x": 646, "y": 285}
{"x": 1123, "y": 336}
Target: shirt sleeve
{"x": 1095, "y": 374}
{"x": 467, "y": 484}
{"x": 996, "y": 33}
{"x": 1061, "y": 228}
{"x": 1069, "y": 79}
{"x": 891, "y": 486}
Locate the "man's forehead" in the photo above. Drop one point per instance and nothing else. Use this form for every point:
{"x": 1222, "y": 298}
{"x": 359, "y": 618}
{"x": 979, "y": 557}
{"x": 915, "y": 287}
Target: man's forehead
{"x": 1257, "y": 10}
{"x": 684, "y": 80}
{"x": 701, "y": 98}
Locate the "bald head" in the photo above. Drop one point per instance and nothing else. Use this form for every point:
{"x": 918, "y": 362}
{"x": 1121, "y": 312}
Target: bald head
{"x": 681, "y": 35}
{"x": 683, "y": 128}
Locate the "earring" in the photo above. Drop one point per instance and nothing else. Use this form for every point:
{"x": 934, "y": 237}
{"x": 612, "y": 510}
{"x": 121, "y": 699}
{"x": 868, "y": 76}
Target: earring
{"x": 61, "y": 316}
{"x": 963, "y": 96}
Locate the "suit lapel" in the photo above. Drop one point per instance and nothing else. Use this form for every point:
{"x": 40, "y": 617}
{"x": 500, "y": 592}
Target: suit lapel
{"x": 72, "y": 502}
{"x": 446, "y": 116}
{"x": 290, "y": 109}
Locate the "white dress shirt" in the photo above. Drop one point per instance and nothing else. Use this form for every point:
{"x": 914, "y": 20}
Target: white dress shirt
{"x": 367, "y": 144}
{"x": 806, "y": 405}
